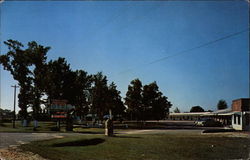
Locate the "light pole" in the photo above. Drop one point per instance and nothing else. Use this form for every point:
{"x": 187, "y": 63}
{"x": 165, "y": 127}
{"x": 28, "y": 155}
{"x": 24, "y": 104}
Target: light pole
{"x": 14, "y": 114}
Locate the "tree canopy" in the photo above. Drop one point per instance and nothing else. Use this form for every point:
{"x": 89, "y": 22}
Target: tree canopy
{"x": 42, "y": 80}
{"x": 146, "y": 102}
{"x": 133, "y": 99}
{"x": 196, "y": 109}
{"x": 222, "y": 104}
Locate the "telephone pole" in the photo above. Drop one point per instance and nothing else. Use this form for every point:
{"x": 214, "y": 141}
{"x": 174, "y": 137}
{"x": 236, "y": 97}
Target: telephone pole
{"x": 14, "y": 114}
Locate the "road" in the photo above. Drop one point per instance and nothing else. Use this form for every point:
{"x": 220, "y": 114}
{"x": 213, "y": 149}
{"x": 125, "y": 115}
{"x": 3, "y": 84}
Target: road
{"x": 15, "y": 139}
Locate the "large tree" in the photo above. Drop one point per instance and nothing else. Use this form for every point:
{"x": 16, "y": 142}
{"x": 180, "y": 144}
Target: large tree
{"x": 37, "y": 56}
{"x": 59, "y": 78}
{"x": 222, "y": 104}
{"x": 17, "y": 62}
{"x": 133, "y": 99}
{"x": 82, "y": 89}
{"x": 155, "y": 105}
{"x": 115, "y": 101}
{"x": 99, "y": 95}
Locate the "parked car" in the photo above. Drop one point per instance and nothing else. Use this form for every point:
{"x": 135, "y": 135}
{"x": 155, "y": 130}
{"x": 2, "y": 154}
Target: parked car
{"x": 208, "y": 123}
{"x": 200, "y": 122}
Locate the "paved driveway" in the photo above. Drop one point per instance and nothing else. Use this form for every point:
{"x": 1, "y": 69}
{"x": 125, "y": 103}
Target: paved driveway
{"x": 13, "y": 139}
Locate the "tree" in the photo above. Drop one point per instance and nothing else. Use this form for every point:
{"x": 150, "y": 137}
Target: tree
{"x": 176, "y": 110}
{"x": 59, "y": 78}
{"x": 82, "y": 85}
{"x": 149, "y": 94}
{"x": 17, "y": 62}
{"x": 155, "y": 105}
{"x": 37, "y": 57}
{"x": 133, "y": 99}
{"x": 161, "y": 107}
{"x": 99, "y": 95}
{"x": 115, "y": 101}
{"x": 222, "y": 104}
{"x": 197, "y": 109}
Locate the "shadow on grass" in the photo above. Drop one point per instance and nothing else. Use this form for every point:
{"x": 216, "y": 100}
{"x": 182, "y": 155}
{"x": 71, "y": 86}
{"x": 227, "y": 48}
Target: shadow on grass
{"x": 85, "y": 142}
{"x": 89, "y": 132}
{"x": 218, "y": 130}
{"x": 3, "y": 125}
{"x": 115, "y": 136}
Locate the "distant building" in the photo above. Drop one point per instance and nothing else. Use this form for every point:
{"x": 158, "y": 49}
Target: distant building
{"x": 193, "y": 116}
{"x": 236, "y": 117}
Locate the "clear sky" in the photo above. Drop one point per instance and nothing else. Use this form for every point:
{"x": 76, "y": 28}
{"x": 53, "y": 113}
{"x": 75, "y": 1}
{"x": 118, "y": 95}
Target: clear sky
{"x": 122, "y": 38}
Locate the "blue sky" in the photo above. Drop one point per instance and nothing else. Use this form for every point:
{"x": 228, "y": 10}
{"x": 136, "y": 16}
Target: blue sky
{"x": 122, "y": 38}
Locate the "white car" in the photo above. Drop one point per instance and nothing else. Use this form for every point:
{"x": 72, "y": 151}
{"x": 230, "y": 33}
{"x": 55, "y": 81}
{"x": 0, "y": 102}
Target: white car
{"x": 199, "y": 123}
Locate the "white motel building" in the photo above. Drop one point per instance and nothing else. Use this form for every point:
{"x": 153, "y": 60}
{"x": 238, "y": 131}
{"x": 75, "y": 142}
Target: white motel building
{"x": 236, "y": 117}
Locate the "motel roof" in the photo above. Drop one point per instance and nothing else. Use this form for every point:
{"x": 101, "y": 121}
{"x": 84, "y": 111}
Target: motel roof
{"x": 222, "y": 112}
{"x": 189, "y": 114}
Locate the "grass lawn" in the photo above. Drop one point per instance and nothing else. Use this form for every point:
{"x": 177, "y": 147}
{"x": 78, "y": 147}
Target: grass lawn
{"x": 140, "y": 147}
{"x": 43, "y": 127}
{"x": 46, "y": 127}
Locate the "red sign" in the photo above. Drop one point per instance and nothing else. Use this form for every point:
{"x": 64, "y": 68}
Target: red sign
{"x": 59, "y": 115}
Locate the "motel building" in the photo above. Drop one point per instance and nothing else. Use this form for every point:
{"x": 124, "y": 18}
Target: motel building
{"x": 236, "y": 117}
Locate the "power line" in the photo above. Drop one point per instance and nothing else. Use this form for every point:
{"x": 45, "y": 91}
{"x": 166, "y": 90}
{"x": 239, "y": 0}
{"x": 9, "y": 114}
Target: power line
{"x": 187, "y": 51}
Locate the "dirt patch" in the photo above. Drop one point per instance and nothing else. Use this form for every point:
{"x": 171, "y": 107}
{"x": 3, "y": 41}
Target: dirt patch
{"x": 15, "y": 153}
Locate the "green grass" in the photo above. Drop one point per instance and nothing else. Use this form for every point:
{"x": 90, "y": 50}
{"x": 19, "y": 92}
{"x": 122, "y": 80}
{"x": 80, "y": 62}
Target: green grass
{"x": 45, "y": 127}
{"x": 138, "y": 147}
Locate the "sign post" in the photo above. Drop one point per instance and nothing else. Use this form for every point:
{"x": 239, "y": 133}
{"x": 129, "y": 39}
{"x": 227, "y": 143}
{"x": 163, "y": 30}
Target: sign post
{"x": 59, "y": 110}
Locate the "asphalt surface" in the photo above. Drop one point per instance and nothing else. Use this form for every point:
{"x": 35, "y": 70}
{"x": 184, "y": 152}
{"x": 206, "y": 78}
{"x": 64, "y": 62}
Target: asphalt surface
{"x": 15, "y": 139}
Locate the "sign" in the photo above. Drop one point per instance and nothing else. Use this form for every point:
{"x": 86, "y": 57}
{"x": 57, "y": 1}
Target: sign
{"x": 60, "y": 105}
{"x": 59, "y": 108}
{"x": 59, "y": 115}
{"x": 64, "y": 107}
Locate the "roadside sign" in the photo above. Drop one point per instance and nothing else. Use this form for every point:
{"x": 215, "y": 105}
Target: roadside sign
{"x": 59, "y": 108}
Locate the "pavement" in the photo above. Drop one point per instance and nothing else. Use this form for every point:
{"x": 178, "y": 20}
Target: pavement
{"x": 15, "y": 139}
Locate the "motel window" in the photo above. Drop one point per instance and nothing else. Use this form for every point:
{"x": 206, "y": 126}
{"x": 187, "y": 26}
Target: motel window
{"x": 234, "y": 119}
{"x": 238, "y": 119}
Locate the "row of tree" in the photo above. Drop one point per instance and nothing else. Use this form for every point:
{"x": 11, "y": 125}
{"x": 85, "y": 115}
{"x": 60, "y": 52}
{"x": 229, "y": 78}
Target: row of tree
{"x": 222, "y": 104}
{"x": 41, "y": 81}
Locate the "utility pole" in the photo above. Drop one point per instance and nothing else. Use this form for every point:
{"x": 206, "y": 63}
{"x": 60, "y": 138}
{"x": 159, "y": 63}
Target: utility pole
{"x": 14, "y": 115}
